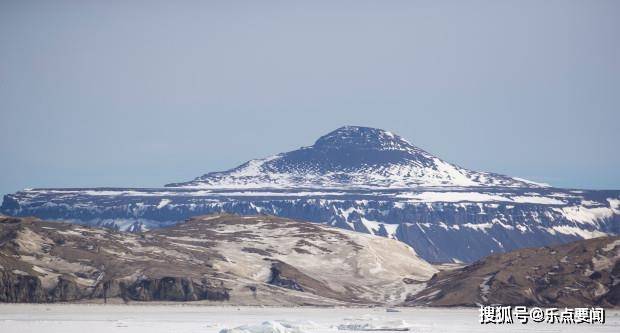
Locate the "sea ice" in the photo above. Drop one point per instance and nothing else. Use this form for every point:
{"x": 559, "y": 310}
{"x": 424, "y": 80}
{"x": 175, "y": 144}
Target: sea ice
{"x": 194, "y": 318}
{"x": 266, "y": 327}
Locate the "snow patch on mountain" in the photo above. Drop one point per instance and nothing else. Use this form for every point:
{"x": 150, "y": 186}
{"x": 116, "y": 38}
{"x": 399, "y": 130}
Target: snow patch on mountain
{"x": 576, "y": 231}
{"x": 163, "y": 203}
{"x": 585, "y": 215}
{"x": 440, "y": 196}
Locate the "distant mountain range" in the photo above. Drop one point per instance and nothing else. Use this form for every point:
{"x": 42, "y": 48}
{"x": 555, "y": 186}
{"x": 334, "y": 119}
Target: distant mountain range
{"x": 356, "y": 178}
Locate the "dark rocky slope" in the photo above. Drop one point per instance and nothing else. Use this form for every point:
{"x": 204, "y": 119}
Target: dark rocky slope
{"x": 577, "y": 274}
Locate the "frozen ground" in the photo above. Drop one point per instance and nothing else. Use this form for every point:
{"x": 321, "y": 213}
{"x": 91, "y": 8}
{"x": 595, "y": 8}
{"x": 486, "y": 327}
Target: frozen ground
{"x": 80, "y": 318}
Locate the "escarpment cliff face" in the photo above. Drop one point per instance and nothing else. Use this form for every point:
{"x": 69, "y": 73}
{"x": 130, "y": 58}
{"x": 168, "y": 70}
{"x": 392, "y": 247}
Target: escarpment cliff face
{"x": 224, "y": 258}
{"x": 577, "y": 274}
{"x": 21, "y": 287}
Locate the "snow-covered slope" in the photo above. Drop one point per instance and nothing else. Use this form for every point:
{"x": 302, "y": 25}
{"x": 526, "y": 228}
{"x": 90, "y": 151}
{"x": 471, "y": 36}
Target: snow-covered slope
{"x": 352, "y": 157}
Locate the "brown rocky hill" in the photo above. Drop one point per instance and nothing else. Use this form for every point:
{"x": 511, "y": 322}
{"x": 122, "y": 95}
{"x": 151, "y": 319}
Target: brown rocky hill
{"x": 581, "y": 273}
{"x": 226, "y": 258}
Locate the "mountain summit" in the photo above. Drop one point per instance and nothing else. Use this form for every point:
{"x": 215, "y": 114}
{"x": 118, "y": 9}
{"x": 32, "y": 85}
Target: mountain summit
{"x": 352, "y": 157}
{"x": 361, "y": 138}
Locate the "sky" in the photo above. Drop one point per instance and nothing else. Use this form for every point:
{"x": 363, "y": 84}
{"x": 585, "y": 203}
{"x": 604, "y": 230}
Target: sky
{"x": 144, "y": 93}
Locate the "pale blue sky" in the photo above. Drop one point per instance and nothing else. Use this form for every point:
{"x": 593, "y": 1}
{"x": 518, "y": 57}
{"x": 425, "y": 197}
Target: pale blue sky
{"x": 131, "y": 93}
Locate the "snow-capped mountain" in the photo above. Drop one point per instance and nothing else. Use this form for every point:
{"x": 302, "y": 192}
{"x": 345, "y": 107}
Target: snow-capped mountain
{"x": 360, "y": 179}
{"x": 352, "y": 157}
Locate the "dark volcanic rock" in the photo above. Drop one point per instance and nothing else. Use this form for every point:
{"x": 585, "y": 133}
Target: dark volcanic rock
{"x": 172, "y": 289}
{"x": 278, "y": 279}
{"x": 18, "y": 288}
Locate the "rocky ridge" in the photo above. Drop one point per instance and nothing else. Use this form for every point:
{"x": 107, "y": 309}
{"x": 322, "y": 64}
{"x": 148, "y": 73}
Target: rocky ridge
{"x": 256, "y": 260}
{"x": 577, "y": 274}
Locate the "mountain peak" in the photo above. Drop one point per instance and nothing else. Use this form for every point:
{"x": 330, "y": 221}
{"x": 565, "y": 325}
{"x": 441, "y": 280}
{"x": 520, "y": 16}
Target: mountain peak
{"x": 363, "y": 138}
{"x": 352, "y": 157}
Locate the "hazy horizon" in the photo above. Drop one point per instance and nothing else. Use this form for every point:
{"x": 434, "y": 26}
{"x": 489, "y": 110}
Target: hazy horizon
{"x": 142, "y": 94}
